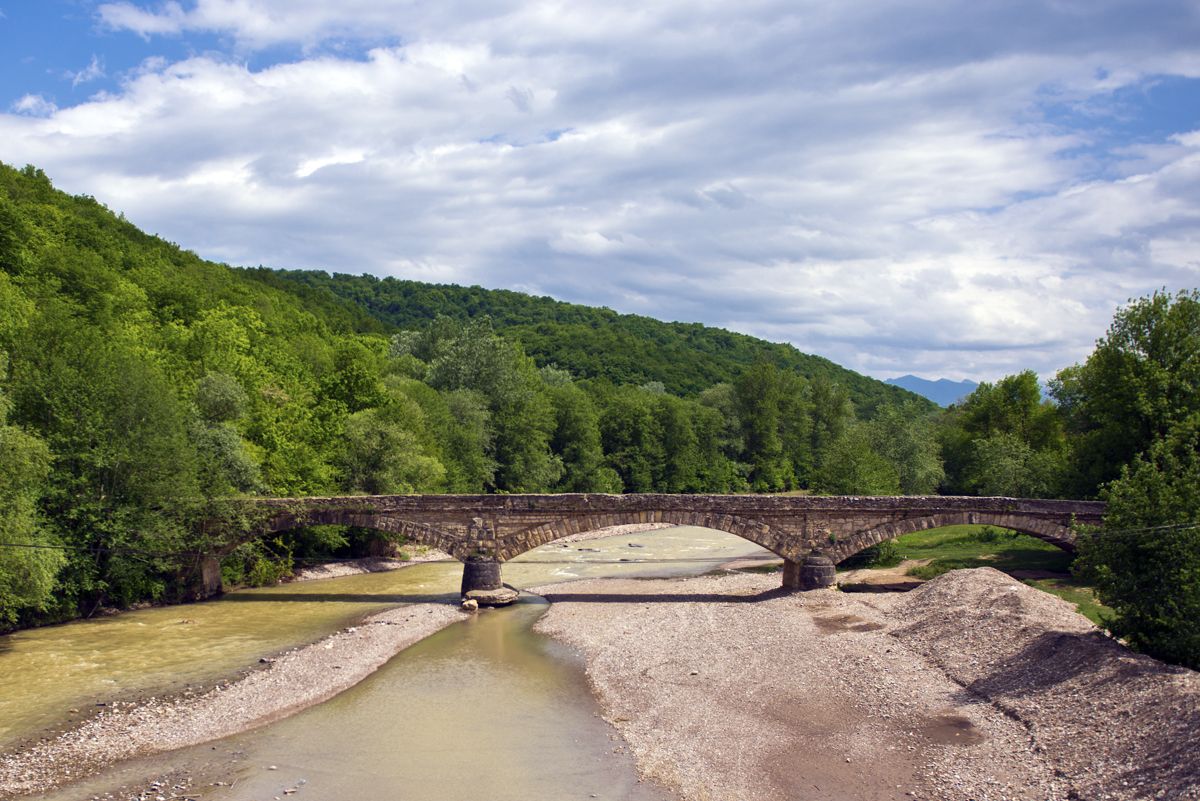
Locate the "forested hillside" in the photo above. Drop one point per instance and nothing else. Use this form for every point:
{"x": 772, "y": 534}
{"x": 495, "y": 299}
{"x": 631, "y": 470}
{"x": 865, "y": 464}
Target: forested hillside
{"x": 590, "y": 342}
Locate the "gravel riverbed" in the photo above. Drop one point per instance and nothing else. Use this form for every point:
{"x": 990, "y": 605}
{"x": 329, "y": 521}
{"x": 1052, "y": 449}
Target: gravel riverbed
{"x": 974, "y": 686}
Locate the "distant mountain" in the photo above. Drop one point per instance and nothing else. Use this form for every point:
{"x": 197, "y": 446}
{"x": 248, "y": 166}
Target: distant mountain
{"x": 943, "y": 392}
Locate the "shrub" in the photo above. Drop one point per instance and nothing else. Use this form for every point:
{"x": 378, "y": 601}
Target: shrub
{"x": 885, "y": 554}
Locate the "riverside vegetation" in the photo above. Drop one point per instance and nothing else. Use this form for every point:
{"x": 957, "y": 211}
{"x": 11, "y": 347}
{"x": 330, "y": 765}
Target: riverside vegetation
{"x": 140, "y": 385}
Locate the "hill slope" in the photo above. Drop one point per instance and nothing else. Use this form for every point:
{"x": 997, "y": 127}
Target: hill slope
{"x": 588, "y": 341}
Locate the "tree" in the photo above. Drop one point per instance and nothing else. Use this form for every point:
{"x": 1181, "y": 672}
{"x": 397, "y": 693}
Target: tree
{"x": 1145, "y": 562}
{"x": 576, "y": 439}
{"x": 381, "y": 456}
{"x": 905, "y": 436}
{"x": 28, "y": 562}
{"x": 851, "y": 465}
{"x": 759, "y": 393}
{"x": 1003, "y": 439}
{"x": 472, "y": 356}
{"x": 1142, "y": 379}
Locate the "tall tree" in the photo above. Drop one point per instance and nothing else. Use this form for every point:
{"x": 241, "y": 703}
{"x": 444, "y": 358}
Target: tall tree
{"x": 1003, "y": 439}
{"x": 28, "y": 560}
{"x": 1145, "y": 563}
{"x": 1141, "y": 380}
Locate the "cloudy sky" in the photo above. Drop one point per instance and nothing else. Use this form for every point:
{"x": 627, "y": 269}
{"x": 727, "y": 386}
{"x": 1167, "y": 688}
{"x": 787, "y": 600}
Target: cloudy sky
{"x": 958, "y": 189}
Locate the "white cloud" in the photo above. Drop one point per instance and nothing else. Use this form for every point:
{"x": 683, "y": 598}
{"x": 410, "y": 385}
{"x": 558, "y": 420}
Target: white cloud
{"x": 878, "y": 184}
{"x": 33, "y": 106}
{"x": 91, "y": 72}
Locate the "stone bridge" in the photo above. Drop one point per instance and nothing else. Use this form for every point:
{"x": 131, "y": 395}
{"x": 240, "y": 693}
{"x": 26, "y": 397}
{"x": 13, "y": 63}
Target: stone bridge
{"x": 483, "y": 531}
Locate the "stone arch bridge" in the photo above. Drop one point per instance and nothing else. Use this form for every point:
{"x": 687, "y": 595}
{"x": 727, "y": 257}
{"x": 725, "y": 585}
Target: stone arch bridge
{"x": 483, "y": 531}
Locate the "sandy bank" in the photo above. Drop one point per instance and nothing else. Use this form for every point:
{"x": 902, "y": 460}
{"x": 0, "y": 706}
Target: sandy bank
{"x": 971, "y": 687}
{"x": 293, "y": 681}
{"x": 368, "y": 564}
{"x": 380, "y": 564}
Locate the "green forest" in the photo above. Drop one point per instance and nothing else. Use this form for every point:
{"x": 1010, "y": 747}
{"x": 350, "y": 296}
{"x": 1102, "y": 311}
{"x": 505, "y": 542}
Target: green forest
{"x": 141, "y": 385}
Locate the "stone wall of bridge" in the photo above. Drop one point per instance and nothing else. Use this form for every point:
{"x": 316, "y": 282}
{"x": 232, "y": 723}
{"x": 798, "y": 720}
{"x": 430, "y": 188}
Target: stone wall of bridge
{"x": 501, "y": 527}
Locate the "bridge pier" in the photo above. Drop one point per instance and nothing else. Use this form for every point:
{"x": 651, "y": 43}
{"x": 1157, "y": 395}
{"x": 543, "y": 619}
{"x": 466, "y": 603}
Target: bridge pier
{"x": 815, "y": 572}
{"x": 481, "y": 582}
{"x": 207, "y": 582}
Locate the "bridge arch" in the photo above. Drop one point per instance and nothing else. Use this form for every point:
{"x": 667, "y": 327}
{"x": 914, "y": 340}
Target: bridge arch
{"x": 536, "y": 536}
{"x": 1053, "y": 533}
{"x": 413, "y": 532}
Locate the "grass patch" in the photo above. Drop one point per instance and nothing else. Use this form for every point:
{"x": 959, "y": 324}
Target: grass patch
{"x": 1083, "y": 596}
{"x": 955, "y": 547}
{"x": 761, "y": 569}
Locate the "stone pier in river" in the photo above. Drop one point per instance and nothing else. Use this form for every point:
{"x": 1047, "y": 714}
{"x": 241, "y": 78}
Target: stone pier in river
{"x": 484, "y": 531}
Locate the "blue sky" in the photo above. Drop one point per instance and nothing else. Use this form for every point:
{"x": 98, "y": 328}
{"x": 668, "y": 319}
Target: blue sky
{"x": 958, "y": 189}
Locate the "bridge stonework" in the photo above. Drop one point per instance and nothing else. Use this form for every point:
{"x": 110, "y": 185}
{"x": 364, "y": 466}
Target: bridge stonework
{"x": 496, "y": 528}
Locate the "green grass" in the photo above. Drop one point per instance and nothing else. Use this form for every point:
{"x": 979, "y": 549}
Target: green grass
{"x": 955, "y": 547}
{"x": 1083, "y": 596}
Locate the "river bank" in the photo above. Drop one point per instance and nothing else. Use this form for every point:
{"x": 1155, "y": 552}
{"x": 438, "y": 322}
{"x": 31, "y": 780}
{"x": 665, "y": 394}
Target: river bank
{"x": 283, "y": 684}
{"x": 971, "y": 687}
{"x": 381, "y": 564}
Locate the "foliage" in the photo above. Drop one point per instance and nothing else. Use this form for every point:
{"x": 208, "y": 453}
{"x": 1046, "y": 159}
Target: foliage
{"x": 1003, "y": 439}
{"x": 851, "y": 465}
{"x": 686, "y": 358}
{"x": 1146, "y": 562}
{"x": 27, "y": 568}
{"x": 884, "y": 554}
{"x": 906, "y": 437}
{"x": 1142, "y": 380}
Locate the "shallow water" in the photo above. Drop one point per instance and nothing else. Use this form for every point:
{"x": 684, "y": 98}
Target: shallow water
{"x": 46, "y": 672}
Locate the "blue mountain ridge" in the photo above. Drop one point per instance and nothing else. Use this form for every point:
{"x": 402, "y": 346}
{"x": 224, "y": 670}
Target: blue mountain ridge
{"x": 942, "y": 392}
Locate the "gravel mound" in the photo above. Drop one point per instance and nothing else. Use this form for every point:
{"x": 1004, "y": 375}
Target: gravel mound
{"x": 1116, "y": 724}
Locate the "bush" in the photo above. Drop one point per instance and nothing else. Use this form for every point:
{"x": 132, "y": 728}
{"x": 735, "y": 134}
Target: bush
{"x": 1145, "y": 563}
{"x": 885, "y": 554}
{"x": 991, "y": 534}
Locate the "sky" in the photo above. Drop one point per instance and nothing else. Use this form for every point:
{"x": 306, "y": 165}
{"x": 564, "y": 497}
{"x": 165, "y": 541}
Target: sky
{"x": 950, "y": 189}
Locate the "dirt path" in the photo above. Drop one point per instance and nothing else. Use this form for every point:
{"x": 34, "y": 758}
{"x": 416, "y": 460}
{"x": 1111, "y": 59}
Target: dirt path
{"x": 727, "y": 689}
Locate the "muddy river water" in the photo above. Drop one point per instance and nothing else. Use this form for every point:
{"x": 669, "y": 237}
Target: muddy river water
{"x": 484, "y": 708}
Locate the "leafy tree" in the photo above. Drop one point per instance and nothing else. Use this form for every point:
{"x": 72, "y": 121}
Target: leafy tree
{"x": 220, "y": 398}
{"x": 680, "y": 466}
{"x": 1145, "y": 563}
{"x": 576, "y": 439}
{"x": 1142, "y": 379}
{"x": 522, "y": 417}
{"x": 381, "y": 456}
{"x": 759, "y": 393}
{"x": 905, "y": 436}
{"x": 851, "y": 465}
{"x": 630, "y": 435}
{"x": 1004, "y": 464}
{"x": 832, "y": 414}
{"x": 28, "y": 562}
{"x": 1003, "y": 439}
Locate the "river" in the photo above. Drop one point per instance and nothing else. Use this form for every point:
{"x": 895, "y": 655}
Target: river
{"x": 486, "y": 708}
